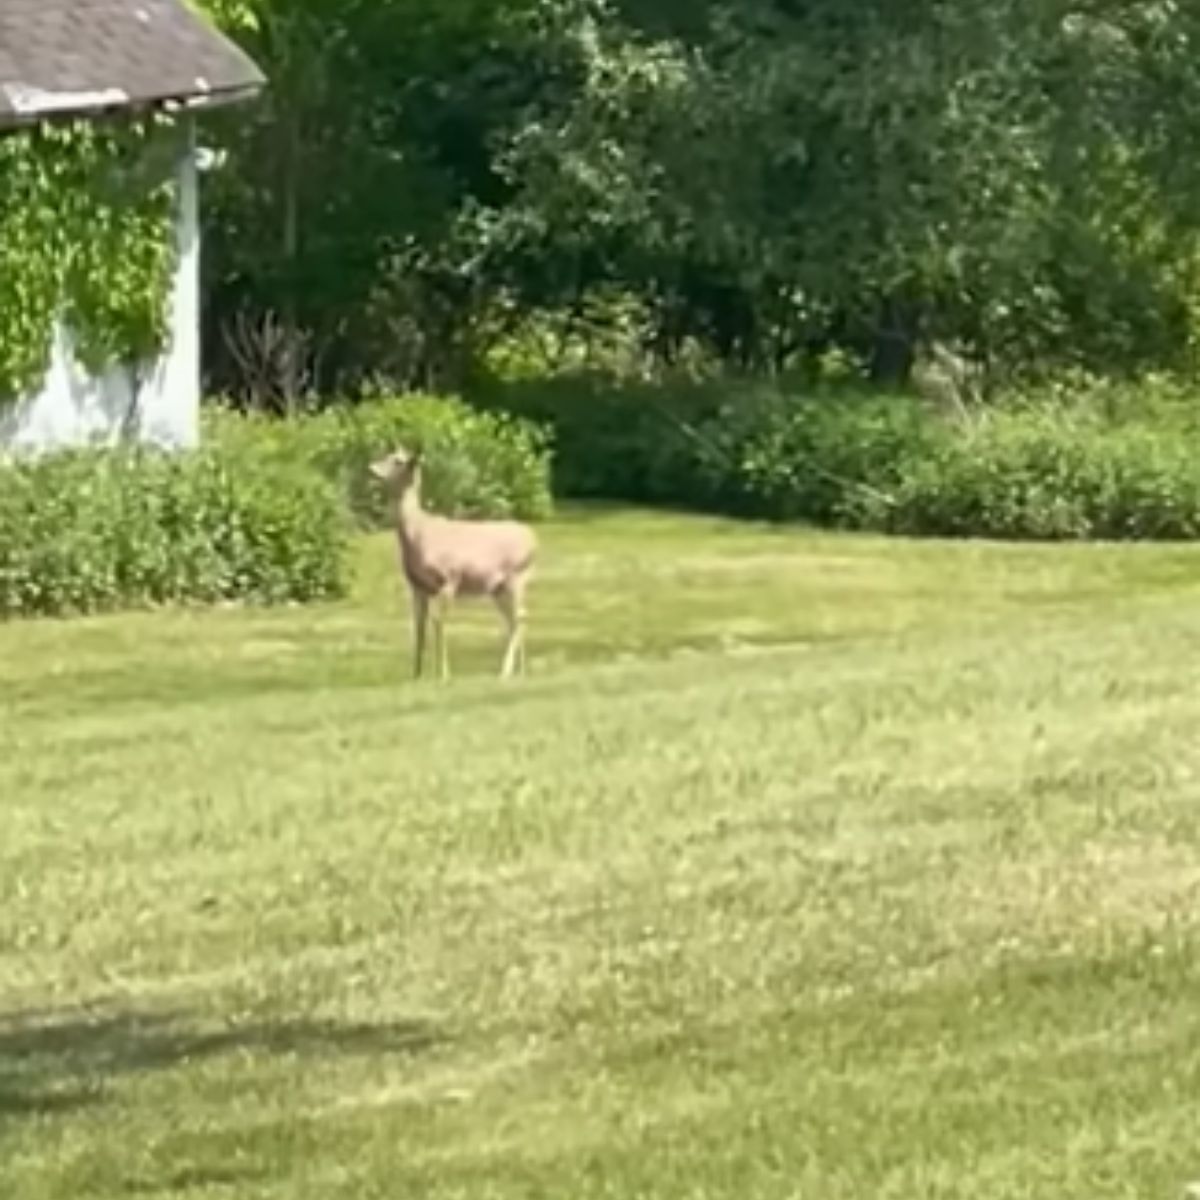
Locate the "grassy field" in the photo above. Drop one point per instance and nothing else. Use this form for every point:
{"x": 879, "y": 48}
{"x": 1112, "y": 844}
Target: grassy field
{"x": 800, "y": 867}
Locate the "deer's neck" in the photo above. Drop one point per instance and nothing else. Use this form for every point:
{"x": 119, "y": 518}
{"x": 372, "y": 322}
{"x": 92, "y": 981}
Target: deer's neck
{"x": 410, "y": 516}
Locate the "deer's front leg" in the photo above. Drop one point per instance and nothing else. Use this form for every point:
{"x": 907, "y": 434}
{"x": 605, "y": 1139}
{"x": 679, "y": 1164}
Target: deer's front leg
{"x": 420, "y": 606}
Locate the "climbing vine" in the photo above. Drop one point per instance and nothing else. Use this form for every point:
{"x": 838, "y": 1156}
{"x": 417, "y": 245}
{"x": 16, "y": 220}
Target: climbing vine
{"x": 85, "y": 234}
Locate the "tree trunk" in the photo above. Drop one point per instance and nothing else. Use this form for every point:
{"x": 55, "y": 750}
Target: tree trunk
{"x": 894, "y": 344}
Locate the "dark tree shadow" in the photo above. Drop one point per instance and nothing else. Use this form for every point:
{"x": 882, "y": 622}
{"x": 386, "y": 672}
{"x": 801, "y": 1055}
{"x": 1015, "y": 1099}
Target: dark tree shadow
{"x": 55, "y": 1062}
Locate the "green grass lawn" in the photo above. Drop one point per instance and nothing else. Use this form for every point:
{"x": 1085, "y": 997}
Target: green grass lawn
{"x": 801, "y": 866}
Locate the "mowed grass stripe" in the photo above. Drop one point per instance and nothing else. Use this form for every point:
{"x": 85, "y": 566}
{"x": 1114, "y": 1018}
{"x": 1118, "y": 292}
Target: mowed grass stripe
{"x": 903, "y": 908}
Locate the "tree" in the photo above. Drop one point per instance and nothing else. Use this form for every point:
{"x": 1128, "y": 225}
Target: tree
{"x": 341, "y": 211}
{"x": 794, "y": 175}
{"x": 766, "y": 180}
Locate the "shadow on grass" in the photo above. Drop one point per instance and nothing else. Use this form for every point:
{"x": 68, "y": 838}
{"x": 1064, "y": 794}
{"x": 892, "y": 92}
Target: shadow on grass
{"x": 58, "y": 1062}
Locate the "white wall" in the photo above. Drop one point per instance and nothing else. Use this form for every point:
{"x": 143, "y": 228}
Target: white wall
{"x": 156, "y": 402}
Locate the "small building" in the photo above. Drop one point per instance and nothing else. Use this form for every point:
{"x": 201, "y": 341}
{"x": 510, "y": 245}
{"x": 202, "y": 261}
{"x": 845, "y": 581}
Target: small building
{"x": 114, "y": 59}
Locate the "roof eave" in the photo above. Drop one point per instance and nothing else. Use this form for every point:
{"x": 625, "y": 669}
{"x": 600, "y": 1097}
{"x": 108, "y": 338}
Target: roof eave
{"x": 100, "y": 106}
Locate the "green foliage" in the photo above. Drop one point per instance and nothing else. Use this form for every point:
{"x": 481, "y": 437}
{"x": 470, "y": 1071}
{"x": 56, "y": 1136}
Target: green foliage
{"x": 613, "y": 441}
{"x": 735, "y": 446}
{"x": 822, "y": 458}
{"x": 1051, "y": 475}
{"x": 93, "y": 530}
{"x": 478, "y": 464}
{"x": 782, "y": 176}
{"x": 345, "y": 212}
{"x": 1108, "y": 461}
{"x": 86, "y": 234}
{"x": 762, "y": 180}
{"x": 232, "y": 15}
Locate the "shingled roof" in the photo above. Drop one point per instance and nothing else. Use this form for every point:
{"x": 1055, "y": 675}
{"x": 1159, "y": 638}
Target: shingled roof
{"x": 86, "y": 57}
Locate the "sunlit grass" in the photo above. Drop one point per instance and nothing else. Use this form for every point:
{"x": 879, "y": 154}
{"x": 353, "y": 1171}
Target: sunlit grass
{"x": 801, "y": 866}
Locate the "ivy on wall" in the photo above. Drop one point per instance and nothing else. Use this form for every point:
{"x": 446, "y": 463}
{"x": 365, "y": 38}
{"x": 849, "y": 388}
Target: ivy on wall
{"x": 86, "y": 234}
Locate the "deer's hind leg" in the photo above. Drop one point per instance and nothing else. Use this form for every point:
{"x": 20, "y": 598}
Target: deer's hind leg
{"x": 442, "y": 602}
{"x": 510, "y": 600}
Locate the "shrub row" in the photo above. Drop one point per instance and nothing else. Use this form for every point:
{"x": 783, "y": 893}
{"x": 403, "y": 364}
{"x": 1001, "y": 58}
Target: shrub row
{"x": 1046, "y": 476}
{"x": 262, "y": 513}
{"x": 618, "y": 442}
{"x": 93, "y": 530}
{"x": 1112, "y": 463}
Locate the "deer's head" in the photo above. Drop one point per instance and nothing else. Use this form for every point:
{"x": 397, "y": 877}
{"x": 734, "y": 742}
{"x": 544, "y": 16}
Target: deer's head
{"x": 399, "y": 471}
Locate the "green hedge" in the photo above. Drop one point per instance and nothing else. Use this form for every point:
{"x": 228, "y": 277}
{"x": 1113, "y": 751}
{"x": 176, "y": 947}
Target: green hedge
{"x": 479, "y": 464}
{"x": 1051, "y": 476}
{"x": 1106, "y": 462}
{"x": 263, "y": 513}
{"x": 745, "y": 448}
{"x": 94, "y": 530}
{"x": 619, "y": 441}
